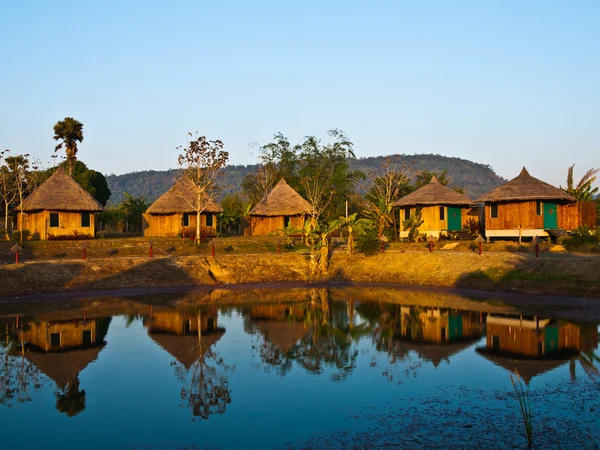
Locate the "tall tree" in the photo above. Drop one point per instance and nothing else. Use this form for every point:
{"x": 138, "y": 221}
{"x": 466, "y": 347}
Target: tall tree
{"x": 18, "y": 167}
{"x": 393, "y": 184}
{"x": 325, "y": 177}
{"x": 133, "y": 208}
{"x": 69, "y": 132}
{"x": 8, "y": 191}
{"x": 202, "y": 161}
{"x": 583, "y": 191}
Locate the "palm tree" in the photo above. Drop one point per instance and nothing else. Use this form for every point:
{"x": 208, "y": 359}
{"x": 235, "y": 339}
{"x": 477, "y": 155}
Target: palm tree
{"x": 69, "y": 132}
{"x": 583, "y": 192}
{"x": 133, "y": 208}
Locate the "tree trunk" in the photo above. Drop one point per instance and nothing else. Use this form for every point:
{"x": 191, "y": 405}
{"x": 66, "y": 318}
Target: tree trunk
{"x": 198, "y": 218}
{"x": 6, "y": 220}
{"x": 350, "y": 243}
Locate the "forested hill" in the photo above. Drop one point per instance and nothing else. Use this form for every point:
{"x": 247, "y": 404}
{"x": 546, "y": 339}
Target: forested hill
{"x": 476, "y": 179}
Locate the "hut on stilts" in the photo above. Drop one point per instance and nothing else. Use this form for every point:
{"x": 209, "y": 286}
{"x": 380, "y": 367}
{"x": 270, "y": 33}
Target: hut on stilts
{"x": 174, "y": 214}
{"x": 282, "y": 208}
{"x": 528, "y": 207}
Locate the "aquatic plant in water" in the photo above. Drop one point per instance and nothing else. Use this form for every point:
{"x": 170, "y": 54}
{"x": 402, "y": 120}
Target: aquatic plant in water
{"x": 524, "y": 404}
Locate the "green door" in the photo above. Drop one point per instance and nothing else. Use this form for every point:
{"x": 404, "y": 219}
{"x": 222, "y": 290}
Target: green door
{"x": 550, "y": 216}
{"x": 454, "y": 219}
{"x": 550, "y": 339}
{"x": 455, "y": 325}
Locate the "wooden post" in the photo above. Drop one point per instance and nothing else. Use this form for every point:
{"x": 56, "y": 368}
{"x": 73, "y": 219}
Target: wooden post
{"x": 84, "y": 250}
{"x": 15, "y": 249}
{"x": 431, "y": 239}
{"x": 213, "y": 249}
{"x": 536, "y": 241}
{"x": 279, "y": 247}
{"x": 479, "y": 240}
{"x": 151, "y": 249}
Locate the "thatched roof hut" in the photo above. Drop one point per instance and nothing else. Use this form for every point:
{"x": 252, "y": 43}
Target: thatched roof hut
{"x": 525, "y": 188}
{"x": 60, "y": 192}
{"x": 434, "y": 193}
{"x": 181, "y": 198}
{"x": 281, "y": 201}
{"x": 63, "y": 367}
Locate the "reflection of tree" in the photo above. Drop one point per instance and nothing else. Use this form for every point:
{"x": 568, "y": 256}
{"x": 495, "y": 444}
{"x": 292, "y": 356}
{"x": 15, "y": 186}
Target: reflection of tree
{"x": 327, "y": 344}
{"x": 17, "y": 375}
{"x": 205, "y": 384}
{"x": 71, "y": 400}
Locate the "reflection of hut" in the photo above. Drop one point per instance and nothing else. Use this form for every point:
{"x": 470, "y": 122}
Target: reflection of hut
{"x": 177, "y": 333}
{"x": 174, "y": 213}
{"x": 437, "y": 334}
{"x": 532, "y": 345}
{"x": 59, "y": 207}
{"x": 526, "y": 206}
{"x": 438, "y": 326}
{"x": 62, "y": 349}
{"x": 280, "y": 324}
{"x": 442, "y": 209}
{"x": 282, "y": 208}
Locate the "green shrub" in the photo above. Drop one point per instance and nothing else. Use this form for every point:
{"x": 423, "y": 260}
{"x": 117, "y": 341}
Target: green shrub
{"x": 368, "y": 243}
{"x": 16, "y": 236}
{"x": 581, "y": 236}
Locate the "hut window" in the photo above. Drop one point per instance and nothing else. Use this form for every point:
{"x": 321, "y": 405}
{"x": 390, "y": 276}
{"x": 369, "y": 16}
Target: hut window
{"x": 86, "y": 337}
{"x": 85, "y": 220}
{"x": 55, "y": 340}
{"x": 186, "y": 220}
{"x": 494, "y": 211}
{"x": 442, "y": 213}
{"x": 538, "y": 208}
{"x": 406, "y": 213}
{"x": 209, "y": 220}
{"x": 286, "y": 221}
{"x": 54, "y": 222}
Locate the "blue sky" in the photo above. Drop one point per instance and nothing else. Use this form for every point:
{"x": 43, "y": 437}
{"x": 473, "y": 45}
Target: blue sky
{"x": 505, "y": 83}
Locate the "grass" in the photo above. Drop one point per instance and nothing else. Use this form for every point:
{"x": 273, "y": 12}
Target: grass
{"x": 522, "y": 392}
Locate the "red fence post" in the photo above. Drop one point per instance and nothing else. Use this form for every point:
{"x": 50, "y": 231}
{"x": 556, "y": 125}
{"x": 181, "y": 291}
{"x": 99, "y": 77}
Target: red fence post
{"x": 17, "y": 257}
{"x": 213, "y": 249}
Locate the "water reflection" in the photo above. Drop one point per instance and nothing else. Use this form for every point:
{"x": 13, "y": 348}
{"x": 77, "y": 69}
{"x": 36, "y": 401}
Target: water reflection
{"x": 534, "y": 345}
{"x": 341, "y": 336}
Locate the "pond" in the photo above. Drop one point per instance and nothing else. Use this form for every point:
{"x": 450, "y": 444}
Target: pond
{"x": 298, "y": 368}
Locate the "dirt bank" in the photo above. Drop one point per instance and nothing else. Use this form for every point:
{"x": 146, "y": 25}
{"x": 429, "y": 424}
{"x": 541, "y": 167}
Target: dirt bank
{"x": 568, "y": 276}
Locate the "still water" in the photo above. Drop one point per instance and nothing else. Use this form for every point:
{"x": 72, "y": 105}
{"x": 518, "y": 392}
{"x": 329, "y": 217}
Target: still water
{"x": 312, "y": 368}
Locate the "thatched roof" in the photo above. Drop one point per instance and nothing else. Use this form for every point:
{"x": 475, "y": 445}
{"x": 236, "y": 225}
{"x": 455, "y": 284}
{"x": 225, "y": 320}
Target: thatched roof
{"x": 436, "y": 353}
{"x": 434, "y": 193}
{"x": 282, "y": 334}
{"x": 60, "y": 192}
{"x": 281, "y": 201}
{"x": 527, "y": 367}
{"x": 181, "y": 198}
{"x": 63, "y": 367}
{"x": 185, "y": 348}
{"x": 523, "y": 188}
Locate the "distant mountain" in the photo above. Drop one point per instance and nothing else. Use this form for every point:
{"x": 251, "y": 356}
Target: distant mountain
{"x": 475, "y": 178}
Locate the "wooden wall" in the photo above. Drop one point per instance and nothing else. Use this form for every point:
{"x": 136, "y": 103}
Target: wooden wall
{"x": 263, "y": 225}
{"x": 513, "y": 215}
{"x": 175, "y": 322}
{"x": 573, "y": 215}
{"x": 432, "y": 322}
{"x": 38, "y": 224}
{"x": 431, "y": 217}
{"x": 514, "y": 339}
{"x": 71, "y": 333}
{"x": 279, "y": 311}
{"x": 171, "y": 225}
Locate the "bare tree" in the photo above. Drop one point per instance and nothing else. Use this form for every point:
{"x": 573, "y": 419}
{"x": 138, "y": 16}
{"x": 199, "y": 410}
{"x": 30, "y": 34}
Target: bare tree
{"x": 202, "y": 161}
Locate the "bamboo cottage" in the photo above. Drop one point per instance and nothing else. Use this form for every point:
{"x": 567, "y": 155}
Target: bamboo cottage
{"x": 526, "y": 206}
{"x": 442, "y": 209}
{"x": 174, "y": 213}
{"x": 282, "y": 208}
{"x": 59, "y": 207}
